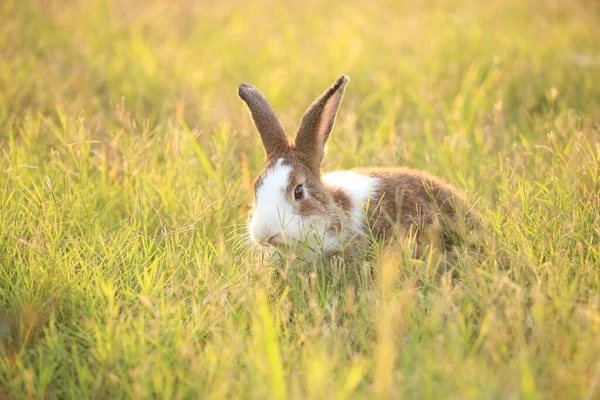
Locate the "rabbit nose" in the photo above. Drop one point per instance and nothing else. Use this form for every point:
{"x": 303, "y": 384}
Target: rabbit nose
{"x": 270, "y": 240}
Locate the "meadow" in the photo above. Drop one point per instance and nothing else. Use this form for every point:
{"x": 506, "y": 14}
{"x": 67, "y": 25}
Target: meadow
{"x": 126, "y": 168}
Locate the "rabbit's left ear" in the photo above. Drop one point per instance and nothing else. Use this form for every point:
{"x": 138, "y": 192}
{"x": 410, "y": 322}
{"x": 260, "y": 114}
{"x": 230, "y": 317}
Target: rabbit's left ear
{"x": 317, "y": 123}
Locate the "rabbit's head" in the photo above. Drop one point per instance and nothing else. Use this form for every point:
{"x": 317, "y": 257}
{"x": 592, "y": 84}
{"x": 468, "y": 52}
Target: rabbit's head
{"x": 292, "y": 208}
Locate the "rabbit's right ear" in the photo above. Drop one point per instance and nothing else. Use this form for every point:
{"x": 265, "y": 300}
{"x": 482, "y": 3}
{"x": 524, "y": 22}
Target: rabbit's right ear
{"x": 271, "y": 131}
{"x": 317, "y": 123}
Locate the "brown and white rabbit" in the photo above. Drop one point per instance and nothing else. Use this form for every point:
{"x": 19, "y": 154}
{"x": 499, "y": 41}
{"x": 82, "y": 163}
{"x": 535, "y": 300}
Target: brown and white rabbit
{"x": 296, "y": 207}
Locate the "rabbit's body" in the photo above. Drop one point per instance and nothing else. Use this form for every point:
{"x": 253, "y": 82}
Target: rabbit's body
{"x": 341, "y": 211}
{"x": 382, "y": 202}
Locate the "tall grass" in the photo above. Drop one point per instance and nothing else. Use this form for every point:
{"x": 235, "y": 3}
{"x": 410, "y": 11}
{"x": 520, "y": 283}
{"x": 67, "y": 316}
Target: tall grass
{"x": 126, "y": 166}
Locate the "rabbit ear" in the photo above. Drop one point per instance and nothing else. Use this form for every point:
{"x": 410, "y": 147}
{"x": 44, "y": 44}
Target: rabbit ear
{"x": 317, "y": 123}
{"x": 271, "y": 131}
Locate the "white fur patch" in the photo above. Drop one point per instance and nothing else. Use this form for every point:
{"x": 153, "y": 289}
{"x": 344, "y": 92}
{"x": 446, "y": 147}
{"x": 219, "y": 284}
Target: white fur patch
{"x": 271, "y": 211}
{"x": 274, "y": 215}
{"x": 359, "y": 187}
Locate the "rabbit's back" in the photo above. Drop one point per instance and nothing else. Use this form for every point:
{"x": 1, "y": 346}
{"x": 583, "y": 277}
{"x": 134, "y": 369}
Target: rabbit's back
{"x": 406, "y": 201}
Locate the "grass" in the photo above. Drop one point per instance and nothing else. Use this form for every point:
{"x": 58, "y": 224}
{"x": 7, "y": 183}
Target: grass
{"x": 126, "y": 163}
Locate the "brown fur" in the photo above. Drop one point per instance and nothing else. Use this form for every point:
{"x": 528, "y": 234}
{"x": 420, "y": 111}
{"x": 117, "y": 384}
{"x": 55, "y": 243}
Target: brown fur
{"x": 316, "y": 126}
{"x": 340, "y": 198}
{"x": 343, "y": 203}
{"x": 271, "y": 131}
{"x": 411, "y": 202}
{"x": 317, "y": 200}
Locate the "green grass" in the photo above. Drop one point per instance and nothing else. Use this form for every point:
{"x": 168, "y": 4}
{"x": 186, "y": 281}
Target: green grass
{"x": 126, "y": 162}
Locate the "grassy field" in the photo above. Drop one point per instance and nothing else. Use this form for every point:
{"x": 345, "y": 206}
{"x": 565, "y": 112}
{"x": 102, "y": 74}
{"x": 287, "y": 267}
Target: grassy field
{"x": 126, "y": 167}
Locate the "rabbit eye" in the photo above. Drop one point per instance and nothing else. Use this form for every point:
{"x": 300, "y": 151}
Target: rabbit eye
{"x": 299, "y": 192}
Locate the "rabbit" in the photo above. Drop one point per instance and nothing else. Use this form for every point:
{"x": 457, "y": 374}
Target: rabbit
{"x": 298, "y": 208}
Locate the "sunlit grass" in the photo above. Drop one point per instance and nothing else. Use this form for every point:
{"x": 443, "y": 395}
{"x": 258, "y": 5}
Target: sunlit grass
{"x": 126, "y": 167}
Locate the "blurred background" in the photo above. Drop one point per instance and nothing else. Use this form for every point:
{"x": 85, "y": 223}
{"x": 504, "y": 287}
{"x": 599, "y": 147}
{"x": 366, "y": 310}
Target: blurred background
{"x": 433, "y": 81}
{"x": 435, "y": 67}
{"x": 126, "y": 168}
